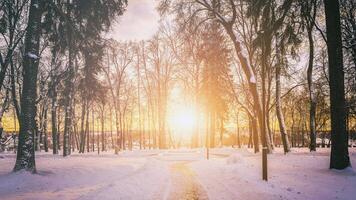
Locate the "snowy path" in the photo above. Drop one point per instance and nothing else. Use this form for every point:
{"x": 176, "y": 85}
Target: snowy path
{"x": 183, "y": 183}
{"x": 140, "y": 175}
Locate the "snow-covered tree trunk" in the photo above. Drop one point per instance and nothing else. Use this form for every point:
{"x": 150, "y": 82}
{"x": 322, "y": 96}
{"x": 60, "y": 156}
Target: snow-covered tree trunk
{"x": 312, "y": 100}
{"x": 25, "y": 154}
{"x": 252, "y": 88}
{"x": 282, "y": 126}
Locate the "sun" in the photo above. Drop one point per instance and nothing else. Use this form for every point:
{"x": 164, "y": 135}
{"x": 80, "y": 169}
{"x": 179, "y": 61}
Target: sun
{"x": 183, "y": 120}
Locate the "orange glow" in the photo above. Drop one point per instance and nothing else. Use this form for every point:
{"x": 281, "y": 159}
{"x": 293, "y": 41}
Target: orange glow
{"x": 182, "y": 120}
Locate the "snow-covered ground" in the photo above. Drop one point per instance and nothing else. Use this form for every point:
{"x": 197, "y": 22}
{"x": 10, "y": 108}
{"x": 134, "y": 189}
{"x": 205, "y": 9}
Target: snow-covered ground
{"x": 136, "y": 176}
{"x": 179, "y": 174}
{"x": 297, "y": 175}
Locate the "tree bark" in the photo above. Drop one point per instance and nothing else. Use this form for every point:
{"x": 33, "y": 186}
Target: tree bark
{"x": 238, "y": 141}
{"x": 93, "y": 129}
{"x": 280, "y": 117}
{"x": 87, "y": 135}
{"x": 54, "y": 117}
{"x": 68, "y": 88}
{"x": 255, "y": 135}
{"x": 103, "y": 135}
{"x": 59, "y": 129}
{"x": 312, "y": 100}
{"x": 249, "y": 144}
{"x": 26, "y": 155}
{"x": 339, "y": 158}
{"x": 82, "y": 131}
{"x": 45, "y": 139}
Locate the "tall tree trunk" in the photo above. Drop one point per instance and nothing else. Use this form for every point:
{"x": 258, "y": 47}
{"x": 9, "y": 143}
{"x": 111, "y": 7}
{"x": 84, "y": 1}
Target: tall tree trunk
{"x": 266, "y": 52}
{"x": 87, "y": 135}
{"x": 103, "y": 135}
{"x": 221, "y": 132}
{"x": 45, "y": 139}
{"x": 98, "y": 142}
{"x": 82, "y": 131}
{"x": 53, "y": 95}
{"x": 54, "y": 121}
{"x": 117, "y": 123}
{"x": 212, "y": 129}
{"x": 312, "y": 100}
{"x": 249, "y": 144}
{"x": 93, "y": 129}
{"x": 292, "y": 129}
{"x": 130, "y": 128}
{"x": 37, "y": 138}
{"x": 268, "y": 112}
{"x": 59, "y": 129}
{"x": 339, "y": 158}
{"x": 74, "y": 136}
{"x": 238, "y": 141}
{"x": 162, "y": 135}
{"x": 121, "y": 141}
{"x": 68, "y": 88}
{"x": 154, "y": 124}
{"x": 252, "y": 83}
{"x": 139, "y": 101}
{"x": 111, "y": 131}
{"x": 195, "y": 135}
{"x": 255, "y": 135}
{"x": 280, "y": 117}
{"x": 149, "y": 127}
{"x": 25, "y": 153}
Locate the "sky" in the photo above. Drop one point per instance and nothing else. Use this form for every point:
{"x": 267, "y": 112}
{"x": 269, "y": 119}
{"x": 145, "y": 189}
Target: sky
{"x": 139, "y": 21}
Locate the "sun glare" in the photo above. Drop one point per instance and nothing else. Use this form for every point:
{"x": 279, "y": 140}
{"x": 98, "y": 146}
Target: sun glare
{"x": 183, "y": 119}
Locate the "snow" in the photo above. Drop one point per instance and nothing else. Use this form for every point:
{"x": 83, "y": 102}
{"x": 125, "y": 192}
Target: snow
{"x": 33, "y": 56}
{"x": 84, "y": 177}
{"x": 297, "y": 175}
{"x": 252, "y": 79}
{"x": 179, "y": 174}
